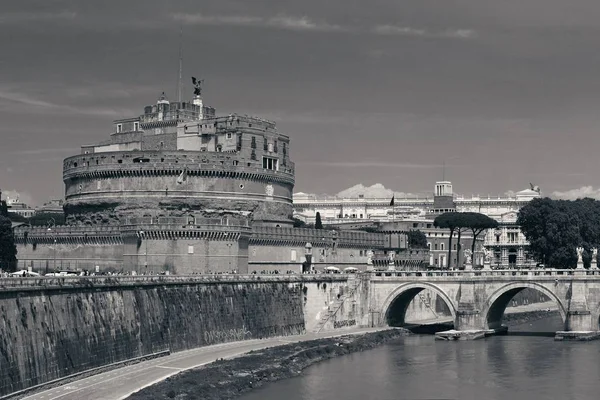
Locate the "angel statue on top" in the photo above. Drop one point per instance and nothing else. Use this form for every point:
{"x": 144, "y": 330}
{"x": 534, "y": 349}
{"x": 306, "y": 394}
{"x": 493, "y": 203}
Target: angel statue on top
{"x": 197, "y": 86}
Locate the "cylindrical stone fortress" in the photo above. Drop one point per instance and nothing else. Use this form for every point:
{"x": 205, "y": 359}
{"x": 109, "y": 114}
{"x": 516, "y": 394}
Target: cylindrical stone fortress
{"x": 187, "y": 164}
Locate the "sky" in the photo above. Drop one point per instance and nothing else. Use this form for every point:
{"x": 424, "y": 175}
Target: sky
{"x": 381, "y": 91}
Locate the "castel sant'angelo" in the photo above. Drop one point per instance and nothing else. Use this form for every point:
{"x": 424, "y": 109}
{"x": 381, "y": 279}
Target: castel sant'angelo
{"x": 183, "y": 190}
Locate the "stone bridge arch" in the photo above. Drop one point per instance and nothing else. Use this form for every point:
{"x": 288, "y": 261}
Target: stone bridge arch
{"x": 498, "y": 301}
{"x": 397, "y": 302}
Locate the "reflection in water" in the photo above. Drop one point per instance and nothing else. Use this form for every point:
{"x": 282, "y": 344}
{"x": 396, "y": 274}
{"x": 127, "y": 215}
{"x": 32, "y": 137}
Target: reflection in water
{"x": 517, "y": 366}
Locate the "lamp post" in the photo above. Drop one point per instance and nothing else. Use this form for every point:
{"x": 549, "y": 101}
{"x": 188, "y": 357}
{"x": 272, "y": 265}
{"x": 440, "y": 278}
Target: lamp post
{"x": 51, "y": 224}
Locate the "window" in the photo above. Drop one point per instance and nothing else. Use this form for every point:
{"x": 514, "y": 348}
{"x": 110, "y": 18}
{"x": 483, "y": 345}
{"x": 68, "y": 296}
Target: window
{"x": 429, "y": 246}
{"x": 136, "y": 126}
{"x": 284, "y": 150}
{"x": 119, "y": 128}
{"x": 293, "y": 255}
{"x": 253, "y": 155}
{"x": 435, "y": 246}
{"x": 270, "y": 163}
{"x": 253, "y": 143}
{"x": 275, "y": 146}
{"x": 265, "y": 145}
{"x": 454, "y": 246}
{"x": 441, "y": 246}
{"x": 415, "y": 225}
{"x": 229, "y": 135}
{"x": 361, "y": 216}
{"x": 190, "y": 249}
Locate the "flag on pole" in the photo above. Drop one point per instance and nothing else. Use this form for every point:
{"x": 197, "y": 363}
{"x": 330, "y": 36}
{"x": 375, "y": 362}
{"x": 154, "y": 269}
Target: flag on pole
{"x": 392, "y": 202}
{"x": 182, "y": 177}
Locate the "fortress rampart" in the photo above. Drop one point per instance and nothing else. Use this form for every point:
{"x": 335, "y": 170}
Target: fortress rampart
{"x": 106, "y": 187}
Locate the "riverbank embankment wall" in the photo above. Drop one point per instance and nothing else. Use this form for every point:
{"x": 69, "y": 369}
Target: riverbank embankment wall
{"x": 55, "y": 328}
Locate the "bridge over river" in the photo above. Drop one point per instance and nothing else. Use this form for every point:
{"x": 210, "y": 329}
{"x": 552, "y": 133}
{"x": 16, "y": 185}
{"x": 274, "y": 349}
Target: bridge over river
{"x": 58, "y": 327}
{"x": 477, "y": 299}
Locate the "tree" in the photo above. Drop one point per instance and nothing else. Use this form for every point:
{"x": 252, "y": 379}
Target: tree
{"x": 298, "y": 223}
{"x": 16, "y": 217}
{"x": 477, "y": 223}
{"x": 416, "y": 239}
{"x": 447, "y": 221}
{"x": 318, "y": 223}
{"x": 3, "y": 209}
{"x": 555, "y": 228}
{"x": 8, "y": 250}
{"x": 460, "y": 222}
{"x": 43, "y": 219}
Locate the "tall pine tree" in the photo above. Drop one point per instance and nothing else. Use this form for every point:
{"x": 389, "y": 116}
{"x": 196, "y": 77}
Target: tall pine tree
{"x": 318, "y": 223}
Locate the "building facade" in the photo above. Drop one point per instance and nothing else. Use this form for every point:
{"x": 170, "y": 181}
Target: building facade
{"x": 507, "y": 244}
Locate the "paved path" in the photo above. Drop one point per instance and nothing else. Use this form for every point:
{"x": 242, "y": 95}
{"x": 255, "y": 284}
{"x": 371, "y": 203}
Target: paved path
{"x": 121, "y": 382}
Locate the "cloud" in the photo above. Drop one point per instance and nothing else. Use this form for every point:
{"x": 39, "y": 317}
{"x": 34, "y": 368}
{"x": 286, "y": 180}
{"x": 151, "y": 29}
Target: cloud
{"x": 279, "y": 22}
{"x": 23, "y": 197}
{"x": 573, "y": 194}
{"x": 16, "y": 97}
{"x": 392, "y": 30}
{"x": 20, "y": 17}
{"x": 47, "y": 151}
{"x": 376, "y": 191}
{"x": 370, "y": 164}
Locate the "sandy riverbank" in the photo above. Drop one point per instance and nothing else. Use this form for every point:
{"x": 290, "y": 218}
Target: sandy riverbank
{"x": 229, "y": 379}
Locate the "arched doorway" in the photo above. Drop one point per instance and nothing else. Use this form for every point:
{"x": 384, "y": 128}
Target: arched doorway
{"x": 396, "y": 305}
{"x": 496, "y": 306}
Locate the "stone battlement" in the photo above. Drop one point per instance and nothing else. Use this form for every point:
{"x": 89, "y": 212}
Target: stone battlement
{"x": 317, "y": 237}
{"x": 159, "y": 163}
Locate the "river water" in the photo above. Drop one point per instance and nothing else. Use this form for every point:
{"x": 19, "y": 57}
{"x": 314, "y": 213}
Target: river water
{"x": 525, "y": 364}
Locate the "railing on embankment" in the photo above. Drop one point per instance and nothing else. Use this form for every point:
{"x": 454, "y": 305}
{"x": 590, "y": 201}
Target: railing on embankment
{"x": 81, "y": 282}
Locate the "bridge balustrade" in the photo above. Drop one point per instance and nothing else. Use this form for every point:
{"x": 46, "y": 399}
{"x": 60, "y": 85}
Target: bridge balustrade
{"x": 507, "y": 272}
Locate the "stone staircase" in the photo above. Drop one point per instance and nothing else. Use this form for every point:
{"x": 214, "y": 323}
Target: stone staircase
{"x": 336, "y": 305}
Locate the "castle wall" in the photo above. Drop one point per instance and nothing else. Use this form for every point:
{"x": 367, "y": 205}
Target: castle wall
{"x": 116, "y": 185}
{"x": 284, "y": 249}
{"x": 186, "y": 256}
{"x": 55, "y": 331}
{"x": 70, "y": 256}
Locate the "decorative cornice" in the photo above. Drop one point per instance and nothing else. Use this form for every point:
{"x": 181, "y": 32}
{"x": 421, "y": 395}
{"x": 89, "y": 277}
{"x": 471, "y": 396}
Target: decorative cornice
{"x": 115, "y": 172}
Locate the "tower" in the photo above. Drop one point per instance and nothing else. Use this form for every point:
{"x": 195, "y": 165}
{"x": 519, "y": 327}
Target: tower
{"x": 443, "y": 198}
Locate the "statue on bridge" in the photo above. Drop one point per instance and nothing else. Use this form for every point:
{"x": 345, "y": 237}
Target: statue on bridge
{"x": 487, "y": 255}
{"x": 468, "y": 256}
{"x": 579, "y": 255}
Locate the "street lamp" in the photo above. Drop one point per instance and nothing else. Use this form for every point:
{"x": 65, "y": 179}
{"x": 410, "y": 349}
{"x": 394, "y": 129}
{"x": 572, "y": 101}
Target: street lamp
{"x": 51, "y": 224}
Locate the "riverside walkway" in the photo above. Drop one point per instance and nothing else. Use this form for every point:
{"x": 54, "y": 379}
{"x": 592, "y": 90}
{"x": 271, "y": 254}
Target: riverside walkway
{"x": 121, "y": 382}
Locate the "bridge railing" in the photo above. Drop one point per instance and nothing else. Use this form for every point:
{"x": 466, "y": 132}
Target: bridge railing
{"x": 494, "y": 273}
